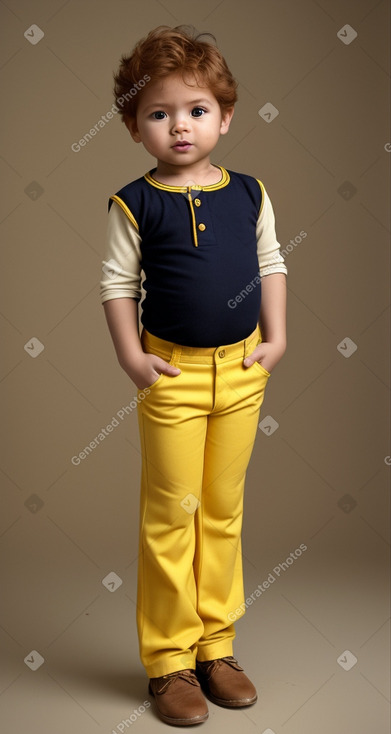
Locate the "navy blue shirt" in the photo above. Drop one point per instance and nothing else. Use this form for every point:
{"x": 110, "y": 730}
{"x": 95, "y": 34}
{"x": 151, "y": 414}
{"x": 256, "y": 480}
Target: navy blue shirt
{"x": 198, "y": 252}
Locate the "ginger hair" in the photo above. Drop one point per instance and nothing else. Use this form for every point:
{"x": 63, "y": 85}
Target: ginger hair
{"x": 166, "y": 51}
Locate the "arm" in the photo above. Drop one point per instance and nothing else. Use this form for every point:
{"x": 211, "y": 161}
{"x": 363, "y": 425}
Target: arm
{"x": 272, "y": 319}
{"x": 273, "y": 310}
{"x": 120, "y": 289}
{"x": 272, "y": 323}
{"x": 122, "y": 320}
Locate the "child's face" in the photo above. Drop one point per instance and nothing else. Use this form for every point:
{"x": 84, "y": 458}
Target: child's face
{"x": 169, "y": 111}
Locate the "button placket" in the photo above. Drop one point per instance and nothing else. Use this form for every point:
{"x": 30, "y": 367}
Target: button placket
{"x": 203, "y": 233}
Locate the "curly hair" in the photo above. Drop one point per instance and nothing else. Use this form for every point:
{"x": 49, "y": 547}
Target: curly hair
{"x": 166, "y": 51}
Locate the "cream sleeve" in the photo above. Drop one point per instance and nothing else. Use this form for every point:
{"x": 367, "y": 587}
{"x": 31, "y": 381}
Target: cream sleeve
{"x": 268, "y": 248}
{"x": 121, "y": 267}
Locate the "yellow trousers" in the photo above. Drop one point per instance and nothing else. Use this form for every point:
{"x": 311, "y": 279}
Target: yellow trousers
{"x": 197, "y": 432}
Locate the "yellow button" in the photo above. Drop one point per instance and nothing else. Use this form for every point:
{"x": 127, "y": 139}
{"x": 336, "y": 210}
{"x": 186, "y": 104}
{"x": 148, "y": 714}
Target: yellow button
{"x": 202, "y": 227}
{"x": 222, "y": 353}
{"x": 197, "y": 202}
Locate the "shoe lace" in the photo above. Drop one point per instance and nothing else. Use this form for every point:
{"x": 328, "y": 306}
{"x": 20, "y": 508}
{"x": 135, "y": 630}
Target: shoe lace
{"x": 187, "y": 675}
{"x": 209, "y": 667}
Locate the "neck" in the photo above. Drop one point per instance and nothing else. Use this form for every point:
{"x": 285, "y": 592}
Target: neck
{"x": 201, "y": 174}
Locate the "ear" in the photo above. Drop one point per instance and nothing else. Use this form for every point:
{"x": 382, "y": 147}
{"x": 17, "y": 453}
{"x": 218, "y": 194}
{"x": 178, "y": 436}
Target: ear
{"x": 226, "y": 120}
{"x": 131, "y": 124}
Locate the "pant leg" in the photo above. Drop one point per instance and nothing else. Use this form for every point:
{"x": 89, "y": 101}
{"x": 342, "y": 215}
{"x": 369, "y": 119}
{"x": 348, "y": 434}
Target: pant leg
{"x": 230, "y": 438}
{"x": 173, "y": 423}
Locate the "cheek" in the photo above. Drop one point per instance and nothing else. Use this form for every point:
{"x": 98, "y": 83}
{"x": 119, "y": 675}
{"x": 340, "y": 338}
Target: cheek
{"x": 150, "y": 135}
{"x": 212, "y": 133}
{"x": 155, "y": 132}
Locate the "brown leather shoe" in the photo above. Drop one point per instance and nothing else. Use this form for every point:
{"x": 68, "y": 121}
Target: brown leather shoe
{"x": 179, "y": 698}
{"x": 225, "y": 683}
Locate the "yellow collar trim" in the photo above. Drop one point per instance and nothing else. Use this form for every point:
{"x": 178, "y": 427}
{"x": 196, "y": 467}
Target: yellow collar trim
{"x": 224, "y": 181}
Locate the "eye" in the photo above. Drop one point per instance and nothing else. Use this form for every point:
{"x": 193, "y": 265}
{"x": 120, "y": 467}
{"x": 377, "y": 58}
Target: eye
{"x": 158, "y": 115}
{"x": 198, "y": 111}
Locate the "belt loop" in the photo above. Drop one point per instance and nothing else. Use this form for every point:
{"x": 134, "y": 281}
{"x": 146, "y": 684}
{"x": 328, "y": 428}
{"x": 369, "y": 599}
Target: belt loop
{"x": 246, "y": 350}
{"x": 251, "y": 342}
{"x": 176, "y": 353}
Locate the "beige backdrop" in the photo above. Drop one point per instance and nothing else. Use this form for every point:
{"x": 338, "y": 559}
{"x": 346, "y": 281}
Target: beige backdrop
{"x": 315, "y": 642}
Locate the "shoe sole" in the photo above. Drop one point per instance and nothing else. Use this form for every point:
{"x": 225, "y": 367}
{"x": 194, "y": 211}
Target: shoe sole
{"x": 225, "y": 702}
{"x": 230, "y": 704}
{"x": 179, "y": 722}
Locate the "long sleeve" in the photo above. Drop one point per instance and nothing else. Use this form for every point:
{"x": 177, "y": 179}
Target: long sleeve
{"x": 121, "y": 266}
{"x": 268, "y": 248}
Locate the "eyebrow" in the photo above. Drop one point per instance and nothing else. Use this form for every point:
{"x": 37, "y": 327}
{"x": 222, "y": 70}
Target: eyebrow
{"x": 165, "y": 104}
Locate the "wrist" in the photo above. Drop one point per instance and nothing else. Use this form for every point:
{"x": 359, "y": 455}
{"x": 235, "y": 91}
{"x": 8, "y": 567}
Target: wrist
{"x": 279, "y": 343}
{"x": 131, "y": 362}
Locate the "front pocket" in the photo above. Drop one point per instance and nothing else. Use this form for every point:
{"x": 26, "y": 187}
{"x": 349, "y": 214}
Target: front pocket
{"x": 150, "y": 387}
{"x": 160, "y": 379}
{"x": 263, "y": 370}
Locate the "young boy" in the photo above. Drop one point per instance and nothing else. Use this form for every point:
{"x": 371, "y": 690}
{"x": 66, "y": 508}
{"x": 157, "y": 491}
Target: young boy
{"x": 204, "y": 238}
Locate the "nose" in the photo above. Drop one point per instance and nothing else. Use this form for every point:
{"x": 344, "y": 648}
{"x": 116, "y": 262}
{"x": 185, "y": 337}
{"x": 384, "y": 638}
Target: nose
{"x": 180, "y": 124}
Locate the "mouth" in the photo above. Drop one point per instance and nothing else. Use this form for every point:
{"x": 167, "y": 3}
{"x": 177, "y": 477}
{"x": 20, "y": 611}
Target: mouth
{"x": 182, "y": 145}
